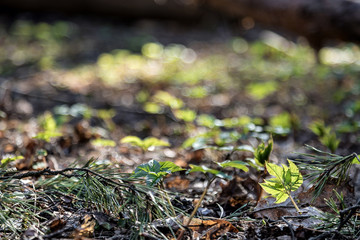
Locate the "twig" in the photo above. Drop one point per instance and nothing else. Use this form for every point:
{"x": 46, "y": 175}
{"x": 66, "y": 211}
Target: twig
{"x": 58, "y": 232}
{"x": 328, "y": 234}
{"x": 290, "y": 227}
{"x": 47, "y": 172}
{"x": 269, "y": 208}
{"x": 351, "y": 210}
{"x": 181, "y": 235}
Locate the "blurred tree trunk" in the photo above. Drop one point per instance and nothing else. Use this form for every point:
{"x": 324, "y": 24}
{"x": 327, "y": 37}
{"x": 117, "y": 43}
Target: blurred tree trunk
{"x": 176, "y": 9}
{"x": 317, "y": 20}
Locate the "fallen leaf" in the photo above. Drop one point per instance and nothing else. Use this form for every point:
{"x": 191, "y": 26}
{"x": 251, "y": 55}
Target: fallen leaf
{"x": 177, "y": 183}
{"x": 210, "y": 229}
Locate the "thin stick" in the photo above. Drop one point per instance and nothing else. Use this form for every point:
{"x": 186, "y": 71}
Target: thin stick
{"x": 196, "y": 208}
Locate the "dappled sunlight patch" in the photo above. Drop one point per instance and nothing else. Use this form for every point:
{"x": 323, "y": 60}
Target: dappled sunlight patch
{"x": 345, "y": 55}
{"x": 261, "y": 90}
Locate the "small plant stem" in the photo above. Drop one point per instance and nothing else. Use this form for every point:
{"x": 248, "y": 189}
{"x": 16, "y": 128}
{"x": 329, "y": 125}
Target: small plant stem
{"x": 168, "y": 199}
{"x": 196, "y": 208}
{"x": 297, "y": 208}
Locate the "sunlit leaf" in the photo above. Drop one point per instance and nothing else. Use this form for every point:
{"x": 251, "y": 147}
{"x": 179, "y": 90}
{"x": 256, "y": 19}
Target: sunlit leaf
{"x": 103, "y": 142}
{"x": 186, "y": 115}
{"x": 6, "y": 159}
{"x": 132, "y": 140}
{"x": 154, "y": 142}
{"x": 206, "y": 120}
{"x": 154, "y": 171}
{"x": 262, "y": 152}
{"x": 286, "y": 179}
{"x": 152, "y": 107}
{"x": 46, "y": 136}
{"x": 235, "y": 164}
{"x": 204, "y": 169}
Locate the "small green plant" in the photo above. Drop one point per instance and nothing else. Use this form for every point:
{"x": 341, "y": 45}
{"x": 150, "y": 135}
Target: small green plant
{"x": 326, "y": 136}
{"x": 286, "y": 180}
{"x": 154, "y": 173}
{"x": 103, "y": 142}
{"x": 261, "y": 90}
{"x": 282, "y": 123}
{"x": 262, "y": 152}
{"x": 6, "y": 159}
{"x": 146, "y": 143}
{"x": 49, "y": 126}
{"x": 161, "y": 99}
{"x": 187, "y": 115}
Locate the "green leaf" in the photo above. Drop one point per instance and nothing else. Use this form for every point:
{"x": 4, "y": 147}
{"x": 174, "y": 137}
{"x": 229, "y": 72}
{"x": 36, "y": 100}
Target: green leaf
{"x": 330, "y": 141}
{"x": 9, "y": 158}
{"x": 262, "y": 152}
{"x": 245, "y": 148}
{"x": 274, "y": 170}
{"x": 146, "y": 143}
{"x": 172, "y": 167}
{"x": 152, "y": 107}
{"x": 154, "y": 171}
{"x": 318, "y": 127}
{"x": 167, "y": 99}
{"x": 103, "y": 142}
{"x": 286, "y": 179}
{"x": 204, "y": 169}
{"x": 47, "y": 135}
{"x": 355, "y": 161}
{"x": 235, "y": 164}
{"x": 154, "y": 142}
{"x": 206, "y": 120}
{"x": 186, "y": 115}
{"x": 132, "y": 140}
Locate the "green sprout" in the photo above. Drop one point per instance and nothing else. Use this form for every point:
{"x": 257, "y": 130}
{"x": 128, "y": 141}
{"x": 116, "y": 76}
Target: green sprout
{"x": 326, "y": 136}
{"x": 49, "y": 126}
{"x": 262, "y": 152}
{"x": 103, "y": 142}
{"x": 154, "y": 173}
{"x": 286, "y": 180}
{"x": 146, "y": 143}
{"x": 6, "y": 159}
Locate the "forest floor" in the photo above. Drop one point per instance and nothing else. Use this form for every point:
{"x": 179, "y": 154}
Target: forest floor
{"x": 114, "y": 130}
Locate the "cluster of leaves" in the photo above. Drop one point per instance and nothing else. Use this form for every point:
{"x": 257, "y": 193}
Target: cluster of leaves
{"x": 326, "y": 136}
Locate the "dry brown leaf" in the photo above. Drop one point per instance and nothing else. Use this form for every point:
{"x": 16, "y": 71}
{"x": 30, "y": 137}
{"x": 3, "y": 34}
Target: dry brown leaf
{"x": 86, "y": 229}
{"x": 56, "y": 224}
{"x": 209, "y": 229}
{"x": 177, "y": 183}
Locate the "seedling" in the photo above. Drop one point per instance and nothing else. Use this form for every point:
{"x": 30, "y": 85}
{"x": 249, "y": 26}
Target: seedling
{"x": 103, "y": 142}
{"x": 262, "y": 152}
{"x": 154, "y": 173}
{"x": 326, "y": 136}
{"x": 187, "y": 115}
{"x": 49, "y": 126}
{"x": 146, "y": 143}
{"x": 6, "y": 159}
{"x": 286, "y": 180}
